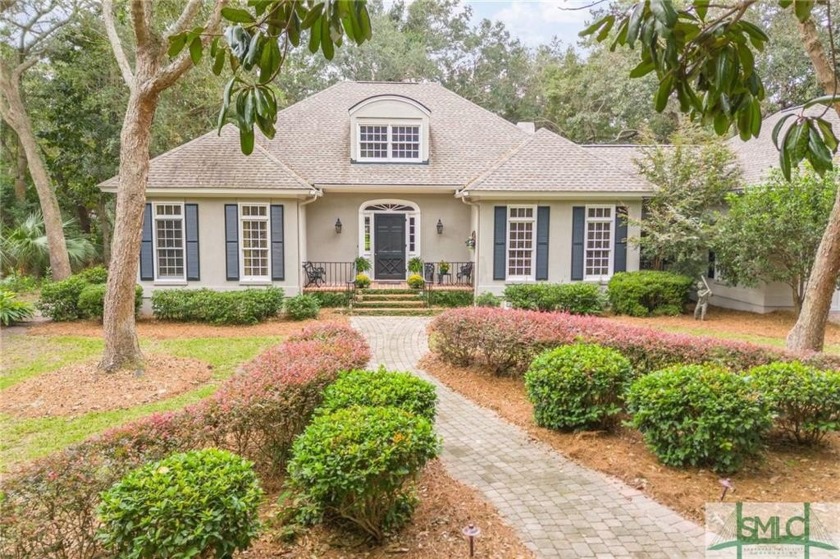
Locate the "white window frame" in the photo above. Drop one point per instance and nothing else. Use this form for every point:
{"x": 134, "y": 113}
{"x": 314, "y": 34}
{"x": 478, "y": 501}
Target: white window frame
{"x": 390, "y": 128}
{"x": 533, "y": 221}
{"x": 611, "y": 256}
{"x": 254, "y": 279}
{"x": 182, "y": 219}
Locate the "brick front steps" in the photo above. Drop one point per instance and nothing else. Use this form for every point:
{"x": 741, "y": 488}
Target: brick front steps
{"x": 390, "y": 302}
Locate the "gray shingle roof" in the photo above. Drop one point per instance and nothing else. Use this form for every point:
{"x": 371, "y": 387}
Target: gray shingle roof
{"x": 212, "y": 161}
{"x": 546, "y": 162}
{"x": 313, "y": 137}
{"x": 758, "y": 155}
{"x": 622, "y": 156}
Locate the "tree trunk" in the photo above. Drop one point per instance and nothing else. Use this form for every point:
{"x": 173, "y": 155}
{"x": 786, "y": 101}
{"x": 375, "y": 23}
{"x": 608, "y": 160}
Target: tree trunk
{"x": 122, "y": 348}
{"x": 808, "y": 334}
{"x": 20, "y": 173}
{"x": 796, "y": 295}
{"x": 18, "y": 120}
{"x": 104, "y": 228}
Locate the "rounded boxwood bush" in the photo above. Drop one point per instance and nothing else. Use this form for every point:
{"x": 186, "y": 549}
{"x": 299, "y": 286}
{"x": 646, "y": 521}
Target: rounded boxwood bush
{"x": 357, "y": 466}
{"x": 92, "y": 300}
{"x": 578, "y": 386}
{"x": 416, "y": 281}
{"x": 648, "y": 292}
{"x": 302, "y": 307}
{"x": 699, "y": 415}
{"x": 487, "y": 299}
{"x": 381, "y": 388}
{"x": 805, "y": 401}
{"x": 187, "y": 505}
{"x": 362, "y": 281}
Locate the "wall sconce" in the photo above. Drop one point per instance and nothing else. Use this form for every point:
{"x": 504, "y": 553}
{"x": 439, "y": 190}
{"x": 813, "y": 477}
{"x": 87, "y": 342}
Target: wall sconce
{"x": 440, "y": 227}
{"x": 338, "y": 226}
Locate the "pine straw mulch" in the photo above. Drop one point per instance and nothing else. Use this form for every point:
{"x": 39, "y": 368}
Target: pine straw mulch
{"x": 162, "y": 330}
{"x": 772, "y": 325}
{"x": 787, "y": 473}
{"x": 446, "y": 507}
{"x": 82, "y": 388}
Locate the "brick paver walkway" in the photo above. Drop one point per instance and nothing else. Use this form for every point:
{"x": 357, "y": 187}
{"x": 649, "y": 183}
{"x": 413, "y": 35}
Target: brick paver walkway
{"x": 559, "y": 508}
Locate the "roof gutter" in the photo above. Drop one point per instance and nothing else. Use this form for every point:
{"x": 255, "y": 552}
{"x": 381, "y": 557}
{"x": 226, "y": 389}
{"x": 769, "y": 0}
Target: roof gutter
{"x": 301, "y": 236}
{"x": 463, "y": 196}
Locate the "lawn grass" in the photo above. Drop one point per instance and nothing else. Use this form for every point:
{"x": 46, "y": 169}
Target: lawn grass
{"x": 26, "y": 439}
{"x": 29, "y": 356}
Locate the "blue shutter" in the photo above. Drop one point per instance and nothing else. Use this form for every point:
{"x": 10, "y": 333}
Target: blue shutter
{"x": 278, "y": 263}
{"x": 620, "y": 257}
{"x": 578, "y": 234}
{"x": 542, "y": 243}
{"x": 147, "y": 258}
{"x": 499, "y": 242}
{"x": 232, "y": 241}
{"x": 191, "y": 227}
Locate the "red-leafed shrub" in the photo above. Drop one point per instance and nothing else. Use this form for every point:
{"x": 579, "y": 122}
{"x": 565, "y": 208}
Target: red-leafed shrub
{"x": 506, "y": 341}
{"x": 47, "y": 509}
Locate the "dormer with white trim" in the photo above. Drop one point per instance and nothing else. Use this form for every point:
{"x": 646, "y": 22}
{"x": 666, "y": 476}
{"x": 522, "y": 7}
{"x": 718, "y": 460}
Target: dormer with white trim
{"x": 389, "y": 129}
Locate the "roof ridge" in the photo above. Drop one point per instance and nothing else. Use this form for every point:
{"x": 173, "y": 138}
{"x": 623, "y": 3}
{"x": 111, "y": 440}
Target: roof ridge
{"x": 471, "y": 102}
{"x": 284, "y": 167}
{"x": 498, "y": 163}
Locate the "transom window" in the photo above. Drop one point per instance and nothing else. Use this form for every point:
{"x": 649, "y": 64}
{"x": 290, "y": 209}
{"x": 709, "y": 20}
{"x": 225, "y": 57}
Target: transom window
{"x": 520, "y": 242}
{"x": 254, "y": 245}
{"x": 169, "y": 242}
{"x": 389, "y": 142}
{"x": 598, "y": 248}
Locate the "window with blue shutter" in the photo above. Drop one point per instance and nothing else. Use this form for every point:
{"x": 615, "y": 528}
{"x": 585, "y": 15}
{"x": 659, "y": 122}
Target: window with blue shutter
{"x": 278, "y": 257}
{"x": 578, "y": 234}
{"x": 620, "y": 255}
{"x": 499, "y": 242}
{"x": 232, "y": 241}
{"x": 191, "y": 229}
{"x": 147, "y": 258}
{"x": 542, "y": 242}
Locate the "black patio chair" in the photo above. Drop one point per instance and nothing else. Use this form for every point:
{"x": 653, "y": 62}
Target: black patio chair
{"x": 429, "y": 272}
{"x": 465, "y": 273}
{"x": 316, "y": 275}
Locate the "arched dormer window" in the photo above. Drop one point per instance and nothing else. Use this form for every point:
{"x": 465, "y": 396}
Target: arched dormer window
{"x": 389, "y": 129}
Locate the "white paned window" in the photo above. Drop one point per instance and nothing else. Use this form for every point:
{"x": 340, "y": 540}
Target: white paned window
{"x": 389, "y": 142}
{"x": 521, "y": 245}
{"x": 253, "y": 243}
{"x": 169, "y": 242}
{"x": 599, "y": 237}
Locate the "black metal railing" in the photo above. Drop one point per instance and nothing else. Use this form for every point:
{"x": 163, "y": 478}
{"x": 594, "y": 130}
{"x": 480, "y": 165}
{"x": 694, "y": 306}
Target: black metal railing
{"x": 449, "y": 273}
{"x": 328, "y": 274}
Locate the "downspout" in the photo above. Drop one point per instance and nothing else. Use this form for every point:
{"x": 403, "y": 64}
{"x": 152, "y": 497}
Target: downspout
{"x": 302, "y": 234}
{"x": 463, "y": 196}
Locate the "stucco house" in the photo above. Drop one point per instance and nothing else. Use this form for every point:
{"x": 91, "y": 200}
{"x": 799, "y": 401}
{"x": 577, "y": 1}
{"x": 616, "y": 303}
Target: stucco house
{"x": 387, "y": 171}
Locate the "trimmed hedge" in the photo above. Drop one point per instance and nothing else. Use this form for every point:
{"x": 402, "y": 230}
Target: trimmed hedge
{"x": 248, "y": 306}
{"x": 648, "y": 293}
{"x": 448, "y": 298}
{"x": 580, "y": 386}
{"x": 381, "y": 388}
{"x": 506, "y": 341}
{"x": 357, "y": 466}
{"x": 188, "y": 505}
{"x": 91, "y": 302}
{"x": 805, "y": 401}
{"x": 699, "y": 416}
{"x": 302, "y": 307}
{"x": 331, "y": 299}
{"x": 574, "y": 298}
{"x": 48, "y": 506}
{"x": 487, "y": 299}
{"x": 60, "y": 299}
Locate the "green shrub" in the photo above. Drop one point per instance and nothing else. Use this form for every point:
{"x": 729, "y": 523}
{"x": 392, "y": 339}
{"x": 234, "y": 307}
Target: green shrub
{"x": 381, "y": 388}
{"x": 248, "y": 306}
{"x": 574, "y": 298}
{"x": 60, "y": 299}
{"x": 301, "y": 307}
{"x": 699, "y": 415}
{"x": 331, "y": 299}
{"x": 415, "y": 265}
{"x": 648, "y": 293}
{"x": 362, "y": 281}
{"x": 188, "y": 505}
{"x": 449, "y": 298}
{"x": 487, "y": 299}
{"x": 361, "y": 264}
{"x": 92, "y": 300}
{"x": 97, "y": 274}
{"x": 357, "y": 466}
{"x": 805, "y": 401}
{"x": 18, "y": 283}
{"x": 12, "y": 310}
{"x": 416, "y": 281}
{"x": 578, "y": 386}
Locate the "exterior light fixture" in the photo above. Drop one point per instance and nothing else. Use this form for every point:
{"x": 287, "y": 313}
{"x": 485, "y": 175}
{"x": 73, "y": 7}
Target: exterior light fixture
{"x": 338, "y": 226}
{"x": 440, "y": 227}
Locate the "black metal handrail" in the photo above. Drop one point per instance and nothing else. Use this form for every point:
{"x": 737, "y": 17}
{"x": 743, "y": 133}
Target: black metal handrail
{"x": 328, "y": 274}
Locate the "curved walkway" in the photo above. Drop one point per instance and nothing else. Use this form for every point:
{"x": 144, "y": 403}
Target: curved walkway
{"x": 559, "y": 508}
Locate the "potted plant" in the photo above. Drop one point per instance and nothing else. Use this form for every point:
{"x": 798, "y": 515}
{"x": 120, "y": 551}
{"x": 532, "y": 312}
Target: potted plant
{"x": 415, "y": 281}
{"x": 443, "y": 267}
{"x": 415, "y": 265}
{"x": 362, "y": 281}
{"x": 362, "y": 264}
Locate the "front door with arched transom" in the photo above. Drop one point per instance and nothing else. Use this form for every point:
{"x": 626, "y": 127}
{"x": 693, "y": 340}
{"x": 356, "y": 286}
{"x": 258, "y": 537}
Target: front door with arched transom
{"x": 389, "y": 246}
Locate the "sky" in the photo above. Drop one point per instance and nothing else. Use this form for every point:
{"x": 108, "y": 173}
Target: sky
{"x": 535, "y": 22}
